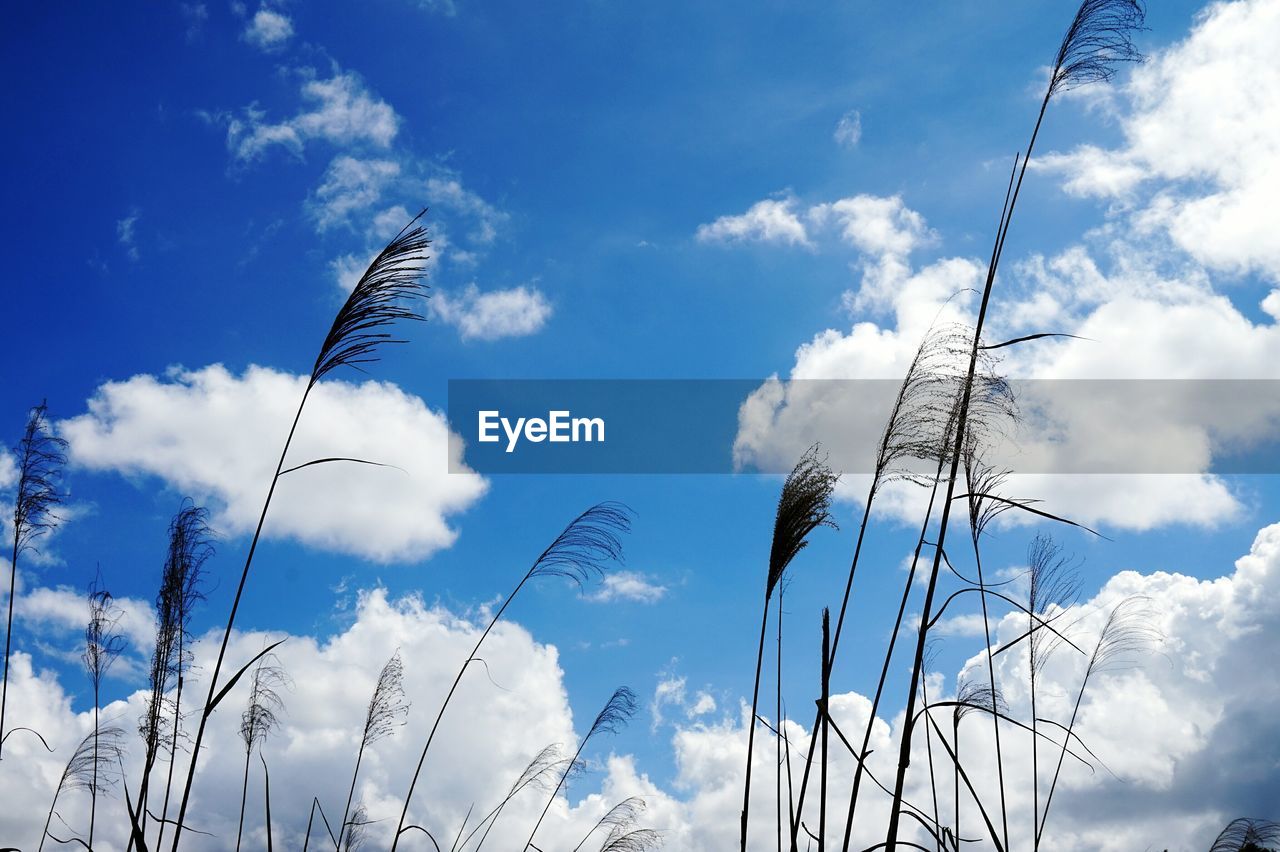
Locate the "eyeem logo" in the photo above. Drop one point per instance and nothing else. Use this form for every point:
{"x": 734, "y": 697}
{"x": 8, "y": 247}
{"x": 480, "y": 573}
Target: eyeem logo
{"x": 559, "y": 427}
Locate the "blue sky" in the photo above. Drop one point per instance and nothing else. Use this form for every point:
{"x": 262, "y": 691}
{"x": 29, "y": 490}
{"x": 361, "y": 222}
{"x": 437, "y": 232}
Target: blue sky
{"x": 187, "y": 182}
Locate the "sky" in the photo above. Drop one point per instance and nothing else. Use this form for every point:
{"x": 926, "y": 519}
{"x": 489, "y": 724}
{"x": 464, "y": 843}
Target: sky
{"x": 770, "y": 192}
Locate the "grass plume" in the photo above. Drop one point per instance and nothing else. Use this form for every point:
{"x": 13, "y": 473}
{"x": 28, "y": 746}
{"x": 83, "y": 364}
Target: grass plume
{"x": 41, "y": 456}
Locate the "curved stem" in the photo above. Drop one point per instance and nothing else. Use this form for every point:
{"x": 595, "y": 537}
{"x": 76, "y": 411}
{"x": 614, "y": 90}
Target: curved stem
{"x": 417, "y": 772}
{"x": 991, "y": 678}
{"x": 8, "y": 635}
{"x": 231, "y": 620}
{"x": 751, "y": 729}
{"x": 888, "y": 657}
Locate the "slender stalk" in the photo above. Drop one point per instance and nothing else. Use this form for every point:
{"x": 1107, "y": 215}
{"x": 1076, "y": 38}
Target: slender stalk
{"x": 40, "y": 457}
{"x": 888, "y": 657}
{"x": 620, "y": 707}
{"x": 751, "y": 725}
{"x": 353, "y": 339}
{"x": 826, "y": 726}
{"x": 231, "y": 620}
{"x": 991, "y": 679}
{"x": 173, "y": 751}
{"x": 580, "y": 551}
{"x": 933, "y": 785}
{"x": 8, "y": 637}
{"x": 777, "y": 715}
{"x": 244, "y": 796}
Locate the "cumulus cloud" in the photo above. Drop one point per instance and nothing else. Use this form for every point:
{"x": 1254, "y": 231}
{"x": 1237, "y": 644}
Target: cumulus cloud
{"x": 1182, "y": 725}
{"x": 848, "y": 130}
{"x": 768, "y": 221}
{"x": 492, "y": 314}
{"x": 1142, "y": 318}
{"x": 215, "y": 436}
{"x": 268, "y": 29}
{"x": 628, "y": 586}
{"x": 449, "y": 193}
{"x": 351, "y": 185}
{"x": 126, "y": 234}
{"x": 340, "y": 110}
{"x": 1201, "y": 125}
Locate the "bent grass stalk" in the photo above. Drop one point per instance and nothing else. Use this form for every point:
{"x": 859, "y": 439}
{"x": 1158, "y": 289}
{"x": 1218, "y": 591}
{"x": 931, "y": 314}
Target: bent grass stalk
{"x": 353, "y": 340}
{"x": 41, "y": 457}
{"x": 1098, "y": 37}
{"x": 581, "y": 551}
{"x": 803, "y": 507}
{"x": 615, "y": 714}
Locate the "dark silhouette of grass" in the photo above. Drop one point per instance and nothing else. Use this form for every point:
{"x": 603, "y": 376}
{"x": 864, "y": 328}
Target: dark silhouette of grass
{"x": 41, "y": 456}
{"x": 358, "y": 330}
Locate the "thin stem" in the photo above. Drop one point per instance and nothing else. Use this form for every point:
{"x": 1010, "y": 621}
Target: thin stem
{"x": 342, "y": 829}
{"x": 888, "y": 657}
{"x": 777, "y": 715}
{"x": 991, "y": 678}
{"x": 417, "y": 772}
{"x": 8, "y": 634}
{"x": 231, "y": 620}
{"x": 93, "y": 791}
{"x": 826, "y": 725}
{"x": 844, "y": 603}
{"x": 751, "y": 726}
{"x": 244, "y": 795}
{"x": 904, "y": 753}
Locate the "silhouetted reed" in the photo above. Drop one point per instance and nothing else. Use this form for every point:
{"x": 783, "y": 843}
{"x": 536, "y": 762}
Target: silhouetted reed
{"x": 102, "y": 647}
{"x": 611, "y": 719}
{"x": 41, "y": 456}
{"x": 803, "y": 507}
{"x": 386, "y": 712}
{"x": 89, "y": 769}
{"x": 583, "y": 550}
{"x": 260, "y": 717}
{"x": 1097, "y": 37}
{"x": 376, "y": 302}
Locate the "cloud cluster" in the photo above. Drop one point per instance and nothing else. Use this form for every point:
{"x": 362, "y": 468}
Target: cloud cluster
{"x": 492, "y": 314}
{"x": 215, "y": 436}
{"x": 268, "y": 29}
{"x": 1181, "y": 728}
{"x": 1200, "y": 160}
{"x": 340, "y": 110}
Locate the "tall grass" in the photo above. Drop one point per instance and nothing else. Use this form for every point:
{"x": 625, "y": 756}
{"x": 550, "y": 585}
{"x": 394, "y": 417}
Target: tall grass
{"x": 1099, "y": 36}
{"x": 260, "y": 717}
{"x": 803, "y": 507}
{"x": 583, "y": 550}
{"x": 41, "y": 456}
{"x": 358, "y": 331}
{"x": 613, "y": 717}
{"x": 386, "y": 712}
{"x": 103, "y": 645}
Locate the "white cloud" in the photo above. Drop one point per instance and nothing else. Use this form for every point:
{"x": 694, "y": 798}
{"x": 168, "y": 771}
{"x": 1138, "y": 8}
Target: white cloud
{"x": 268, "y": 29}
{"x": 628, "y": 586}
{"x": 486, "y": 739}
{"x": 848, "y": 130}
{"x": 492, "y": 314}
{"x": 196, "y": 15}
{"x": 1143, "y": 317}
{"x": 448, "y": 192}
{"x": 215, "y": 436}
{"x": 1201, "y": 125}
{"x": 351, "y": 185}
{"x": 702, "y": 705}
{"x": 342, "y": 111}
{"x": 768, "y": 221}
{"x": 126, "y": 234}
{"x": 1184, "y": 729}
{"x": 875, "y": 225}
